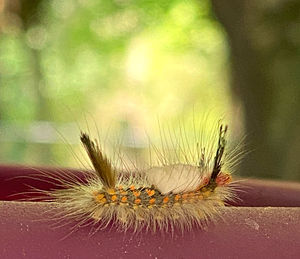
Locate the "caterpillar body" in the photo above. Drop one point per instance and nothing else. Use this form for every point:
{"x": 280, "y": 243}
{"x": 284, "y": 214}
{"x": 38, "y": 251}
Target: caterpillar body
{"x": 159, "y": 198}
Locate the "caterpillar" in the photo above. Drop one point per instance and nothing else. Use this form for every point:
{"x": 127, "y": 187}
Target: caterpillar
{"x": 174, "y": 194}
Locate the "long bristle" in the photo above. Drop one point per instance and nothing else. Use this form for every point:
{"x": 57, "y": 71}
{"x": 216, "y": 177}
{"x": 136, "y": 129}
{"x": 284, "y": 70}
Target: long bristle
{"x": 100, "y": 162}
{"x": 219, "y": 153}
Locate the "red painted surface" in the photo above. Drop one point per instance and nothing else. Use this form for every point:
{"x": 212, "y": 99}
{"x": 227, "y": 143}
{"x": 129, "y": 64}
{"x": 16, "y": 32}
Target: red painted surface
{"x": 258, "y": 231}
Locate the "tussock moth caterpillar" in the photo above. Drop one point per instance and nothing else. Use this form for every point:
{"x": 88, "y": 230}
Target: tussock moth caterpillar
{"x": 185, "y": 190}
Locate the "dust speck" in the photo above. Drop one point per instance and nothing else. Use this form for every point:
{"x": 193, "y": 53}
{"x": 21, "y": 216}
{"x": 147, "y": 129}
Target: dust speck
{"x": 253, "y": 224}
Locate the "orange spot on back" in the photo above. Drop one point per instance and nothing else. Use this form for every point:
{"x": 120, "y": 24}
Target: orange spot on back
{"x": 136, "y": 193}
{"x": 152, "y": 201}
{"x": 99, "y": 197}
{"x": 132, "y": 187}
{"x": 114, "y": 197}
{"x": 177, "y": 197}
{"x": 124, "y": 199}
{"x": 150, "y": 192}
{"x": 137, "y": 201}
{"x": 166, "y": 199}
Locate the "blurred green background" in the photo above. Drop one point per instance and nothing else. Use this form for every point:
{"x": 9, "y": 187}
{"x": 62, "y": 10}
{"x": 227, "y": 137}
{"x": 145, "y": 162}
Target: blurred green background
{"x": 121, "y": 64}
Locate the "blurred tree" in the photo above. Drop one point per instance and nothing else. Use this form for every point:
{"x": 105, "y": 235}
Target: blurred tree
{"x": 264, "y": 37}
{"x": 106, "y": 57}
{"x": 31, "y": 15}
{"x": 28, "y": 15}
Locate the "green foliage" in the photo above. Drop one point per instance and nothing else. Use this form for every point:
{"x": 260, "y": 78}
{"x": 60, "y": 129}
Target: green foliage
{"x": 122, "y": 60}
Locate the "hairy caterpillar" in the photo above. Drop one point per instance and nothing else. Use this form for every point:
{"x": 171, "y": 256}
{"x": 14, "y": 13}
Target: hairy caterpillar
{"x": 177, "y": 193}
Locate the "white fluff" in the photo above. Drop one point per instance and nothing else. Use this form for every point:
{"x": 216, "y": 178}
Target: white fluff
{"x": 176, "y": 178}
